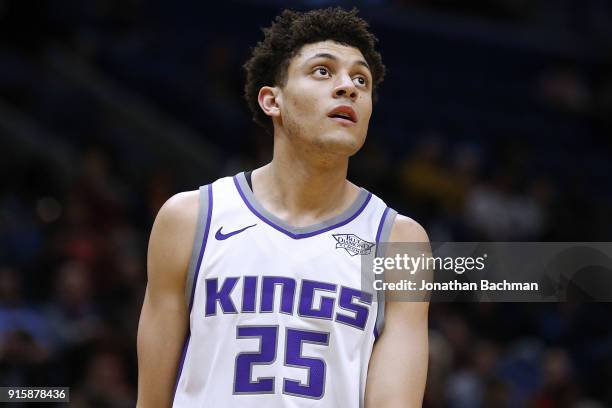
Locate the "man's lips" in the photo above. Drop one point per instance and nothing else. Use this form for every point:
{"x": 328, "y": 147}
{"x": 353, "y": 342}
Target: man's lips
{"x": 343, "y": 114}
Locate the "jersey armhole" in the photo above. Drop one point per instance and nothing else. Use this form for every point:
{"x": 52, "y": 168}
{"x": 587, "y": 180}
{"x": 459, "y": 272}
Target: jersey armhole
{"x": 199, "y": 242}
{"x": 382, "y": 235}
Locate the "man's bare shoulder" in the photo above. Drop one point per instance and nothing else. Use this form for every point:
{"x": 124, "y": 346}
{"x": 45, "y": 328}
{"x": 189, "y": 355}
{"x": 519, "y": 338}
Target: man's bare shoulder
{"x": 180, "y": 208}
{"x": 172, "y": 238}
{"x": 405, "y": 229}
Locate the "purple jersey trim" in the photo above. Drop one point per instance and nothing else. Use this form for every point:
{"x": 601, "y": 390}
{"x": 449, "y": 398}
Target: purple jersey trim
{"x": 380, "y": 225}
{"x": 195, "y": 280}
{"x": 303, "y": 235}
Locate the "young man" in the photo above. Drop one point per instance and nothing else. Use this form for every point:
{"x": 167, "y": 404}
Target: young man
{"x": 266, "y": 308}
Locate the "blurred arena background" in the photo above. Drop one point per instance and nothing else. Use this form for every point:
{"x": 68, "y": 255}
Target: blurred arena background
{"x": 494, "y": 123}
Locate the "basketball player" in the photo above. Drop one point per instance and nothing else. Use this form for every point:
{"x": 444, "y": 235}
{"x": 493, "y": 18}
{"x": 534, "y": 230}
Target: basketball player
{"x": 266, "y": 308}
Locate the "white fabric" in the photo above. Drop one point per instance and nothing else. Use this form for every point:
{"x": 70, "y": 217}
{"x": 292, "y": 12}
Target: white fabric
{"x": 207, "y": 377}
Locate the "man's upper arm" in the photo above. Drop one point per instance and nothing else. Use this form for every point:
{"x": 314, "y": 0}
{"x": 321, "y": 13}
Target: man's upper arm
{"x": 164, "y": 316}
{"x": 398, "y": 366}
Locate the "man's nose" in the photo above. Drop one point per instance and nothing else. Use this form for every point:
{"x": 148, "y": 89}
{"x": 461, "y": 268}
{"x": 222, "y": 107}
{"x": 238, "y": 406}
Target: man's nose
{"x": 345, "y": 88}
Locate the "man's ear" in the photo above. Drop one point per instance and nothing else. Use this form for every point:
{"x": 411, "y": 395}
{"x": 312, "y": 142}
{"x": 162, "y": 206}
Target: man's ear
{"x": 268, "y": 99}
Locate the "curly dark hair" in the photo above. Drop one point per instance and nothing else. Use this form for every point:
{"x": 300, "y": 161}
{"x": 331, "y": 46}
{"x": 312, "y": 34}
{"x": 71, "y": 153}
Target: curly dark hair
{"x": 290, "y": 31}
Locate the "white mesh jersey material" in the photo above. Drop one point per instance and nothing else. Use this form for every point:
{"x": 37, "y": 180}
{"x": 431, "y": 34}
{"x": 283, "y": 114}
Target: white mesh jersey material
{"x": 278, "y": 315}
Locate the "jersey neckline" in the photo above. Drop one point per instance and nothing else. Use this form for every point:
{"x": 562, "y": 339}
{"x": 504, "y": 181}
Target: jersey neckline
{"x": 348, "y": 215}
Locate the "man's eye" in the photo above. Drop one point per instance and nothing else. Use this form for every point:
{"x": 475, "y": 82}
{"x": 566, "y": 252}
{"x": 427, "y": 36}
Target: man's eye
{"x": 360, "y": 81}
{"x": 322, "y": 71}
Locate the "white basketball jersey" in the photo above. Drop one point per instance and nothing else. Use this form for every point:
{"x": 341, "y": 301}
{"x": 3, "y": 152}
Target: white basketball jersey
{"x": 278, "y": 314}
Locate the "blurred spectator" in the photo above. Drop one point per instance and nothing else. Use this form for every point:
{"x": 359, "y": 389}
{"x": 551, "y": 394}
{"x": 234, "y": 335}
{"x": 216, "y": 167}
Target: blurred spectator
{"x": 24, "y": 335}
{"x": 497, "y": 211}
{"x": 559, "y": 388}
{"x": 105, "y": 384}
{"x": 72, "y": 316}
{"x": 565, "y": 89}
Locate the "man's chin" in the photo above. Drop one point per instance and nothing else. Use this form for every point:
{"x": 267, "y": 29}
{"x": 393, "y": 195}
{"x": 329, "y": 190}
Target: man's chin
{"x": 341, "y": 143}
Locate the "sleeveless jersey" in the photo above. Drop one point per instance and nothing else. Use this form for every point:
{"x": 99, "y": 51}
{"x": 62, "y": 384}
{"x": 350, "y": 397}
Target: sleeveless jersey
{"x": 278, "y": 316}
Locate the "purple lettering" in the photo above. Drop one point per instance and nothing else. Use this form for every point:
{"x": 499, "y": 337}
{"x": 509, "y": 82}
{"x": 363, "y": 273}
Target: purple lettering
{"x": 213, "y": 295}
{"x": 305, "y": 308}
{"x": 269, "y": 290}
{"x": 360, "y": 311}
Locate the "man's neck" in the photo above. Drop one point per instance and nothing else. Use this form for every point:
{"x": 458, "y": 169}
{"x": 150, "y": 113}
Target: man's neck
{"x": 303, "y": 189}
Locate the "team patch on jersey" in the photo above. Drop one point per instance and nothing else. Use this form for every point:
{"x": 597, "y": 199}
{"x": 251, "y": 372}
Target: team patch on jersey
{"x": 353, "y": 244}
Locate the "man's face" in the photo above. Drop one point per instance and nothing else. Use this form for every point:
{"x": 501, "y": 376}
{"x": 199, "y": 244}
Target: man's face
{"x": 326, "y": 102}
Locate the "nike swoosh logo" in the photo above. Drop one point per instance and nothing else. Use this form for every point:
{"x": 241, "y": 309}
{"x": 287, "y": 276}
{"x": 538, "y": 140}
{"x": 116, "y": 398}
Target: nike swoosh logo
{"x": 221, "y": 236}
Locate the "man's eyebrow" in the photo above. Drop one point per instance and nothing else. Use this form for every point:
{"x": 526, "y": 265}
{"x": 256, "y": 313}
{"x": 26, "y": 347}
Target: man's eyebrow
{"x": 334, "y": 58}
